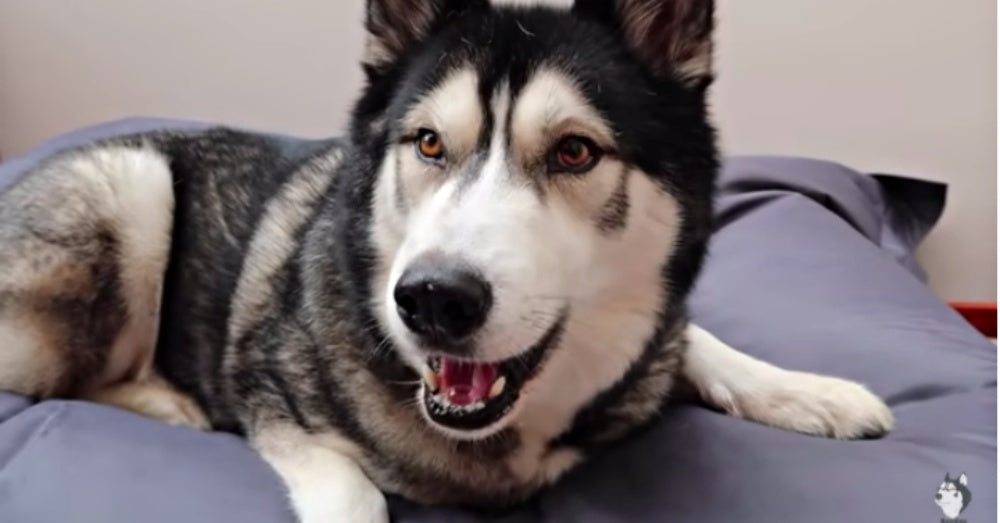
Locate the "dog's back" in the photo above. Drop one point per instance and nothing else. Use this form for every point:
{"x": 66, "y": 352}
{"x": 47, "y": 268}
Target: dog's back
{"x": 117, "y": 247}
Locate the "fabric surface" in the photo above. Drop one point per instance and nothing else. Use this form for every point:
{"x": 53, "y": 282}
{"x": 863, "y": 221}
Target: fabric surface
{"x": 811, "y": 268}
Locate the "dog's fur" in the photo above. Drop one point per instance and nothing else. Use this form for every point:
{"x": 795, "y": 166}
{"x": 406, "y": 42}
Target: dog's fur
{"x": 243, "y": 282}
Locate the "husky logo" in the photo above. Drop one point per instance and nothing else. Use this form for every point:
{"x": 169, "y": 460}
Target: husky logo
{"x": 953, "y": 496}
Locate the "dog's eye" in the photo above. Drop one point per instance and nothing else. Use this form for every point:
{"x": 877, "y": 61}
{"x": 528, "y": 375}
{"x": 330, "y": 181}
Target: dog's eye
{"x": 429, "y": 145}
{"x": 574, "y": 154}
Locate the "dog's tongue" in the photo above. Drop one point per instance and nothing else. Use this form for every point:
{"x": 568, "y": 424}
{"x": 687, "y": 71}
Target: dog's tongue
{"x": 465, "y": 383}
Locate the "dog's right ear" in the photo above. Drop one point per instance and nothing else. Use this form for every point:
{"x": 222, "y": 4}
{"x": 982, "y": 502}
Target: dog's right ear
{"x": 395, "y": 26}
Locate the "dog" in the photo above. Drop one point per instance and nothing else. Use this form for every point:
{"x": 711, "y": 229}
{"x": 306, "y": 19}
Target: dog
{"x": 953, "y": 496}
{"x": 480, "y": 285}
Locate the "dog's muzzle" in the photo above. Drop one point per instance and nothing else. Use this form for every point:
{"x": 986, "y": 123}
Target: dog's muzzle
{"x": 442, "y": 303}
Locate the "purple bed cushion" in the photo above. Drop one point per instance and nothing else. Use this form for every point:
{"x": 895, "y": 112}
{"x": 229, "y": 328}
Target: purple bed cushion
{"x": 812, "y": 268}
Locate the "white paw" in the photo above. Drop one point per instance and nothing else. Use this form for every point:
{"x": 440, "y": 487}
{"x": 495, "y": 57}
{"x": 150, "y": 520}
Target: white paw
{"x": 817, "y": 405}
{"x": 354, "y": 502}
{"x": 325, "y": 484}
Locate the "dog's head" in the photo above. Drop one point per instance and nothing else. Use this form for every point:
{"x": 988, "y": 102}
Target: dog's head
{"x": 538, "y": 195}
{"x": 953, "y": 495}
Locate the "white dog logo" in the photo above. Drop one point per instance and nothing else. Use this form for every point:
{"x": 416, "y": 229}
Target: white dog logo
{"x": 953, "y": 496}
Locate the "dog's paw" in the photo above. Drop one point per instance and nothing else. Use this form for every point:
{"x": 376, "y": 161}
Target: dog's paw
{"x": 326, "y": 484}
{"x": 817, "y": 405}
{"x": 175, "y": 409}
{"x": 154, "y": 399}
{"x": 356, "y": 502}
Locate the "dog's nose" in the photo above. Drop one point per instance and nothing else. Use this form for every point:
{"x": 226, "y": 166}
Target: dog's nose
{"x": 443, "y": 303}
{"x": 937, "y": 496}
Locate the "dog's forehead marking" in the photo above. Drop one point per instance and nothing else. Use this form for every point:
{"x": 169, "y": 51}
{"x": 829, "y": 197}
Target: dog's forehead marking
{"x": 452, "y": 109}
{"x": 493, "y": 172}
{"x": 552, "y": 105}
{"x": 496, "y": 159}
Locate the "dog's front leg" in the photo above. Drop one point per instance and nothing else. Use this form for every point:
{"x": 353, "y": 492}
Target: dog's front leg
{"x": 748, "y": 388}
{"x": 325, "y": 484}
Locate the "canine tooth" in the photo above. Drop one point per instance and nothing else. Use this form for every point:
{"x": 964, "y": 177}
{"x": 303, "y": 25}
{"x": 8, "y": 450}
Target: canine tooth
{"x": 498, "y": 386}
{"x": 430, "y": 378}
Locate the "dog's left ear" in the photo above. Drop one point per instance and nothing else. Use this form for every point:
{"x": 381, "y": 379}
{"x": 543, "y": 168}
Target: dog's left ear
{"x": 669, "y": 36}
{"x": 396, "y": 26}
{"x": 963, "y": 480}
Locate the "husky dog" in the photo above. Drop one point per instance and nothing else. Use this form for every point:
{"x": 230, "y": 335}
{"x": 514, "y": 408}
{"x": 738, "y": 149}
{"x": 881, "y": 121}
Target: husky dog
{"x": 483, "y": 283}
{"x": 953, "y": 496}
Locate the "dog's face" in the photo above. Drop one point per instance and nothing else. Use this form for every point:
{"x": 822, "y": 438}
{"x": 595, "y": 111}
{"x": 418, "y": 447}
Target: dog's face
{"x": 543, "y": 182}
{"x": 951, "y": 496}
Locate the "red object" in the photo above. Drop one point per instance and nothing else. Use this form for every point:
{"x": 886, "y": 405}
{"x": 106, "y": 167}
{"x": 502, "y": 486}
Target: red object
{"x": 465, "y": 383}
{"x": 982, "y": 316}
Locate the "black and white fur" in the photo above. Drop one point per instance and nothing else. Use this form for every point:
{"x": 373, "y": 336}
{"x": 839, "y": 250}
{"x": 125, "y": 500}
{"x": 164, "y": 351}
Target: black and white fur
{"x": 247, "y": 283}
{"x": 953, "y": 496}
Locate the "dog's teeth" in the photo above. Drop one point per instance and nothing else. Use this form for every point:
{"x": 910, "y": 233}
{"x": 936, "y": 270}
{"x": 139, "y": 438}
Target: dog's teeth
{"x": 430, "y": 378}
{"x": 498, "y": 386}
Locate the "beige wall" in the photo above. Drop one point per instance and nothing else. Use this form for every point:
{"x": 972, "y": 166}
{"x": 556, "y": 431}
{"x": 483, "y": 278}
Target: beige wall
{"x": 287, "y": 66}
{"x": 900, "y": 86}
{"x": 905, "y": 86}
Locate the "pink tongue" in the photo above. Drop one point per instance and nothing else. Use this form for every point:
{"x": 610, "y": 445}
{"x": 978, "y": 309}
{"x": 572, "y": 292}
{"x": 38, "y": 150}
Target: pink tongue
{"x": 466, "y": 383}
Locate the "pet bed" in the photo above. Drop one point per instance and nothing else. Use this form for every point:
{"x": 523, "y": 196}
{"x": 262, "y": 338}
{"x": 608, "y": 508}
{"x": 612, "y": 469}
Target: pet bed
{"x": 811, "y": 268}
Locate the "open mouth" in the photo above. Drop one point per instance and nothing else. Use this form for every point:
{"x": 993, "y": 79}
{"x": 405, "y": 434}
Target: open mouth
{"x": 471, "y": 395}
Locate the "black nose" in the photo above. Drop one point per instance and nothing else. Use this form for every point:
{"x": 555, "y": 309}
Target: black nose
{"x": 443, "y": 303}
{"x": 937, "y": 496}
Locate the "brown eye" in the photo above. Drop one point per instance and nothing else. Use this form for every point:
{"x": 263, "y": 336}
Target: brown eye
{"x": 574, "y": 154}
{"x": 429, "y": 145}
